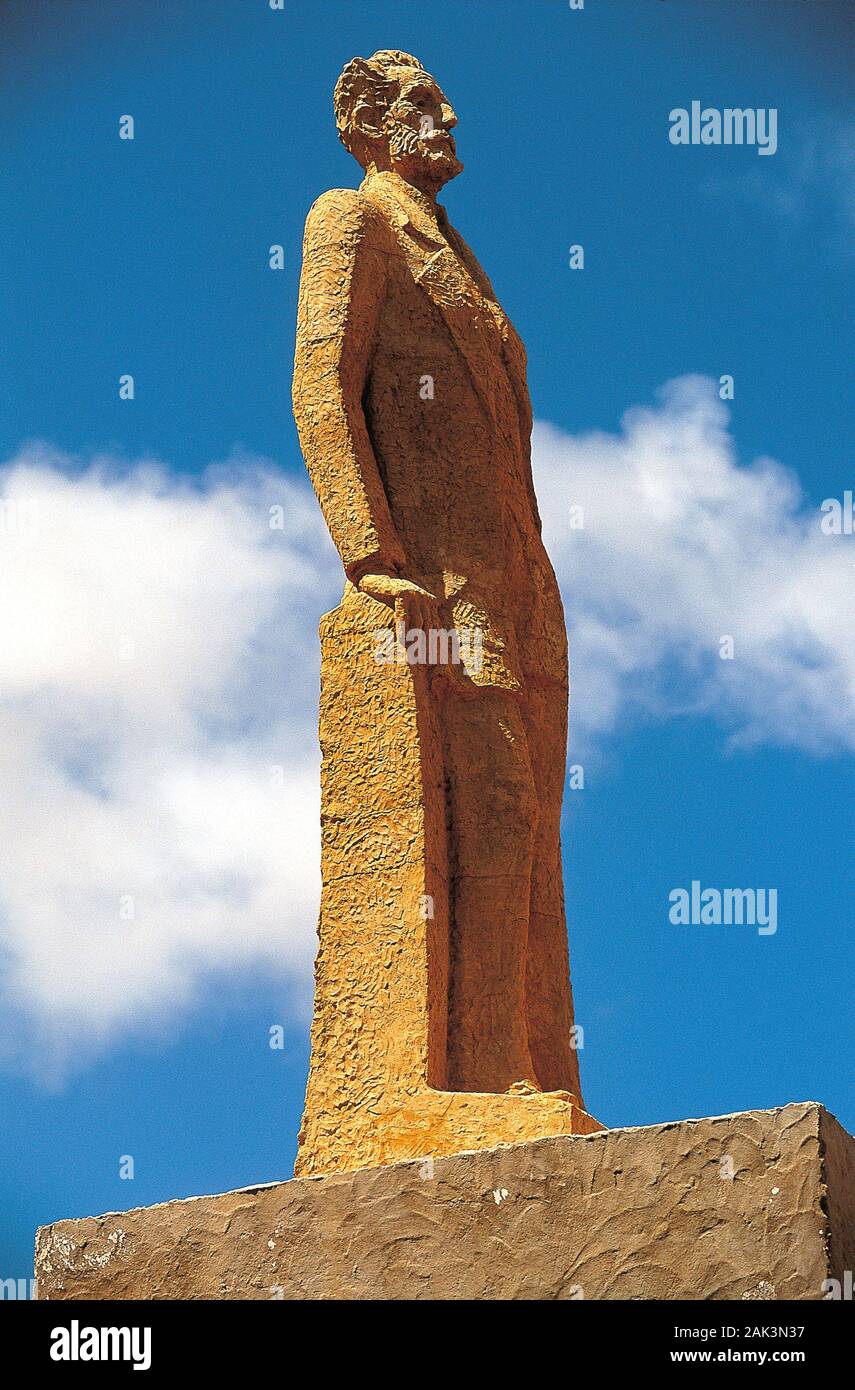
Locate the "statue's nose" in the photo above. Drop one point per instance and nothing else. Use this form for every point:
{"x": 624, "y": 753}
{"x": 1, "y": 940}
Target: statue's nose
{"x": 449, "y": 120}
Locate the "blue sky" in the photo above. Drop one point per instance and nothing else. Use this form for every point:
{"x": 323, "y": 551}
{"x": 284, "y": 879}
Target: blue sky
{"x": 150, "y": 257}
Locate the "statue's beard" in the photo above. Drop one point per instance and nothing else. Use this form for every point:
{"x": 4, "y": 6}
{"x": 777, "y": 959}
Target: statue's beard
{"x": 422, "y": 158}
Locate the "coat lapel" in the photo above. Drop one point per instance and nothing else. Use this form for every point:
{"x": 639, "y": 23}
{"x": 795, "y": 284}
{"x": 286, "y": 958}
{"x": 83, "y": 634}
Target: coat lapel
{"x": 512, "y": 345}
{"x": 441, "y": 262}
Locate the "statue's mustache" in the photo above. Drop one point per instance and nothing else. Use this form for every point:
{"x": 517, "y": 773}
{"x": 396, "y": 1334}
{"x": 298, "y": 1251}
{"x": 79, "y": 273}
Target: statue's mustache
{"x": 404, "y": 140}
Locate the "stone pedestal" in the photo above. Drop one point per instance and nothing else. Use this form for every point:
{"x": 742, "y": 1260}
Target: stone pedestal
{"x": 758, "y": 1205}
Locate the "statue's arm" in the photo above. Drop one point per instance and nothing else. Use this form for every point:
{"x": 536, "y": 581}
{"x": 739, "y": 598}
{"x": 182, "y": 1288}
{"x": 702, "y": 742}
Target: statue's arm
{"x": 345, "y": 261}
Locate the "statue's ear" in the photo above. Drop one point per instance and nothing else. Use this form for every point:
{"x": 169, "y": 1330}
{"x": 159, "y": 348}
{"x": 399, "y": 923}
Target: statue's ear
{"x": 367, "y": 119}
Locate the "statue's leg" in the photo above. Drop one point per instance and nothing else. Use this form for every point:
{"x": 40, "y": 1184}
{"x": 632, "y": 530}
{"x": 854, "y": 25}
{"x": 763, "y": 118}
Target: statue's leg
{"x": 549, "y": 1005}
{"x": 492, "y": 806}
{"x": 392, "y": 1077}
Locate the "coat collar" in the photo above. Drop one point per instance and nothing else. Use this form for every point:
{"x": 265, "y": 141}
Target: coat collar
{"x": 412, "y": 210}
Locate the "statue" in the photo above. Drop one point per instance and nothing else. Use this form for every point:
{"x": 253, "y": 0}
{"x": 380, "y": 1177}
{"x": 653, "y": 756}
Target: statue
{"x": 443, "y": 1014}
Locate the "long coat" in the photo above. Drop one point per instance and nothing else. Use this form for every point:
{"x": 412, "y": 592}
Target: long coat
{"x": 416, "y": 424}
{"x": 414, "y": 418}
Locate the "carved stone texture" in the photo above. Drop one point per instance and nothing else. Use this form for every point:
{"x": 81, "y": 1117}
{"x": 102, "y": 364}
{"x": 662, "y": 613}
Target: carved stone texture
{"x": 443, "y": 1013}
{"x": 759, "y": 1205}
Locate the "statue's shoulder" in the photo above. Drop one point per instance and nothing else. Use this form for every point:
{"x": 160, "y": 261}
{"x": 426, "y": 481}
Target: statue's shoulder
{"x": 345, "y": 213}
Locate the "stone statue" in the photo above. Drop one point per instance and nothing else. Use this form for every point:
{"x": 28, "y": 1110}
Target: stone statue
{"x": 443, "y": 1014}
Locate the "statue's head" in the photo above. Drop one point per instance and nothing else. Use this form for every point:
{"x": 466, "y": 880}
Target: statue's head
{"x": 391, "y": 114}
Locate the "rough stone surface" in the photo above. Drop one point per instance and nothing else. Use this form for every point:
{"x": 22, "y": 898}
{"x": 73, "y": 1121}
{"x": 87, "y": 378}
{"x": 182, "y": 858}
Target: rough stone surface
{"x": 443, "y": 1013}
{"x": 759, "y": 1205}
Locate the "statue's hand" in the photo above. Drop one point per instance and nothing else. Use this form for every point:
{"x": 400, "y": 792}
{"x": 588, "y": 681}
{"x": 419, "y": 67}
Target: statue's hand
{"x": 414, "y": 606}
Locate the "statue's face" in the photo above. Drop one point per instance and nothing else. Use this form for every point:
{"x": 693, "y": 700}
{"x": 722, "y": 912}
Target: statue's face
{"x": 418, "y": 125}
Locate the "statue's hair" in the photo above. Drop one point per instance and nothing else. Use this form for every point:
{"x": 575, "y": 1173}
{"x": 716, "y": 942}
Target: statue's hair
{"x": 367, "y": 82}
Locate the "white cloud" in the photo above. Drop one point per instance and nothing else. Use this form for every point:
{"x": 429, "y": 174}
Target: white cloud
{"x": 682, "y": 546}
{"x": 160, "y": 656}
